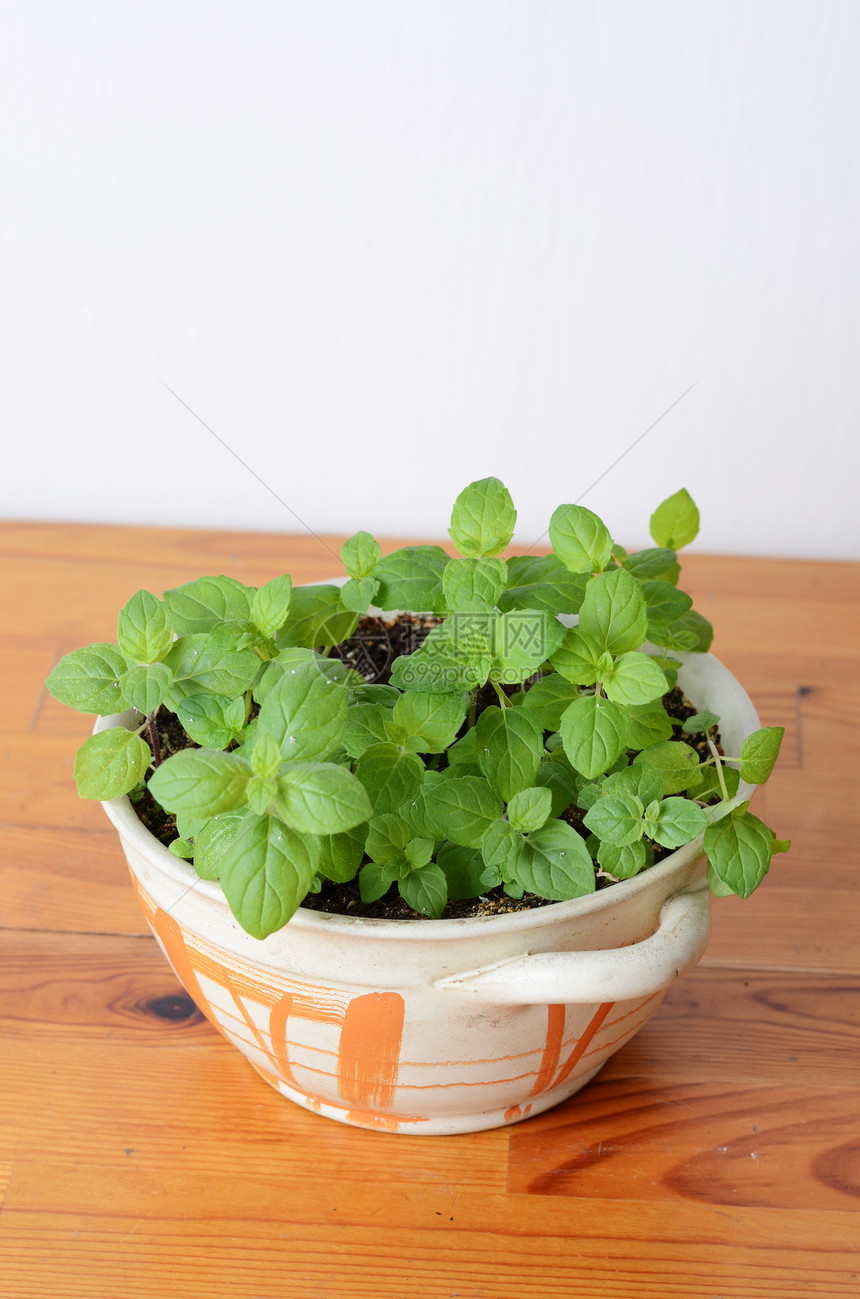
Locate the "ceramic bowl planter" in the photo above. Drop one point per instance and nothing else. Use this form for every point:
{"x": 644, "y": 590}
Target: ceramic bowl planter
{"x": 438, "y": 1026}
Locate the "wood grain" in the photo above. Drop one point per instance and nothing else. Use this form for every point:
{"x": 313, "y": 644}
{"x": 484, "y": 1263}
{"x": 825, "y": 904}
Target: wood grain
{"x": 717, "y": 1156}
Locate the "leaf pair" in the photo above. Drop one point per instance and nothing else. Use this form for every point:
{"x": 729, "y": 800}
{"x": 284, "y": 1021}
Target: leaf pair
{"x": 631, "y": 809}
{"x": 551, "y": 861}
{"x": 396, "y": 854}
{"x": 282, "y": 796}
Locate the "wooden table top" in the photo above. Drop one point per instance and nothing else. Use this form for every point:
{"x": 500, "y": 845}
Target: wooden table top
{"x": 717, "y": 1155}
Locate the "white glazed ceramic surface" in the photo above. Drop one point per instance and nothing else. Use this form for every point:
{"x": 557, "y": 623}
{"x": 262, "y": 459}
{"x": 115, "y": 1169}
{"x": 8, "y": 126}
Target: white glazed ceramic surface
{"x": 438, "y": 1026}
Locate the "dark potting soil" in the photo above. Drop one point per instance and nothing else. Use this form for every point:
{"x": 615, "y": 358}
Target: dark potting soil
{"x": 372, "y": 650}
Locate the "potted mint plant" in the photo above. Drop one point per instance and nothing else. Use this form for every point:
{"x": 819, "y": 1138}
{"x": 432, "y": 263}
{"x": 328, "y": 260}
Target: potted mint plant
{"x": 429, "y": 842}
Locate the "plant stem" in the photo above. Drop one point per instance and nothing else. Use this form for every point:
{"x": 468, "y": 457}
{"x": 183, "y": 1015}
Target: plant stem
{"x": 153, "y": 740}
{"x": 719, "y": 765}
{"x": 503, "y": 698}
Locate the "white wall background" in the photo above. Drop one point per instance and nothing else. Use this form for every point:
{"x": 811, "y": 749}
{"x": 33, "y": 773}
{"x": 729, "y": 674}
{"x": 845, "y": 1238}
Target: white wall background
{"x": 384, "y": 247}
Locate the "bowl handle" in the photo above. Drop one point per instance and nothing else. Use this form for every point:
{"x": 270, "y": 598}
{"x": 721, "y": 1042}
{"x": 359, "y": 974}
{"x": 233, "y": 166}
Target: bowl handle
{"x": 611, "y": 974}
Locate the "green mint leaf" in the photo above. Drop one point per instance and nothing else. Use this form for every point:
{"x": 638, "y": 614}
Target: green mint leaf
{"x": 638, "y": 780}
{"x": 554, "y": 863}
{"x": 425, "y": 890}
{"x": 634, "y": 679}
{"x": 605, "y": 665}
{"x": 425, "y": 722}
{"x": 593, "y": 732}
{"x": 375, "y": 881}
{"x": 266, "y": 871}
{"x": 676, "y": 763}
{"x": 759, "y": 753}
{"x": 365, "y": 726}
{"x": 210, "y": 843}
{"x": 471, "y": 585}
{"x": 373, "y": 694}
{"x": 669, "y": 668}
{"x": 616, "y": 818}
{"x": 547, "y": 699}
{"x": 360, "y": 554}
{"x": 523, "y": 640}
{"x": 143, "y": 629}
{"x": 269, "y": 674}
{"x": 700, "y": 627}
{"x": 411, "y": 579}
{"x": 340, "y": 855}
{"x": 665, "y": 604}
{"x": 419, "y": 852}
{"x": 580, "y": 539}
{"x": 212, "y": 721}
{"x": 690, "y": 632}
{"x": 530, "y": 808}
{"x": 739, "y": 850}
{"x": 500, "y": 849}
{"x": 716, "y": 885}
{"x": 270, "y": 605}
{"x": 265, "y": 755}
{"x": 678, "y": 821}
{"x": 189, "y": 827}
{"x": 261, "y": 794}
{"x": 387, "y": 837}
{"x": 200, "y": 665}
{"x": 200, "y": 782}
{"x": 145, "y": 685}
{"x": 622, "y": 861}
{"x": 675, "y": 522}
{"x": 390, "y": 777}
{"x": 508, "y": 746}
{"x": 201, "y": 605}
{"x": 463, "y": 869}
{"x": 454, "y": 657}
{"x": 182, "y": 848}
{"x": 542, "y": 582}
{"x": 613, "y": 612}
{"x": 558, "y": 778}
{"x": 358, "y": 593}
{"x": 321, "y": 798}
{"x": 414, "y": 810}
{"x": 679, "y": 639}
{"x": 316, "y": 619}
{"x": 88, "y": 679}
{"x": 647, "y": 724}
{"x": 110, "y": 763}
{"x": 515, "y": 891}
{"x": 464, "y": 754}
{"x": 461, "y": 808}
{"x": 483, "y": 518}
{"x": 649, "y": 565}
{"x": 331, "y": 668}
{"x": 700, "y": 722}
{"x": 578, "y": 658}
{"x": 588, "y": 795}
{"x": 305, "y": 712}
{"x": 236, "y": 636}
